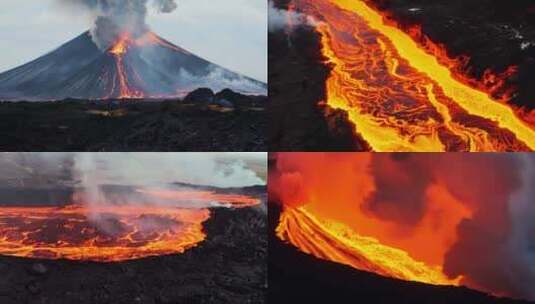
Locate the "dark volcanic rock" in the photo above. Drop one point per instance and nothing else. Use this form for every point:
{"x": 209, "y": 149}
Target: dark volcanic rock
{"x": 129, "y": 126}
{"x": 239, "y": 100}
{"x": 230, "y": 266}
{"x": 205, "y": 95}
{"x": 38, "y": 269}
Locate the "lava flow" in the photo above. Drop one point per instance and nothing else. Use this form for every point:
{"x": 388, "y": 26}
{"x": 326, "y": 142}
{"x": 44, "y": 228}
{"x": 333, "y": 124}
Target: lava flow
{"x": 118, "y": 50}
{"x": 336, "y": 242}
{"x": 104, "y": 234}
{"x": 403, "y": 92}
{"x": 109, "y": 233}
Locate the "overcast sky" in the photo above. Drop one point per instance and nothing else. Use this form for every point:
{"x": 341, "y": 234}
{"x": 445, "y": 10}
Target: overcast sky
{"x": 231, "y": 33}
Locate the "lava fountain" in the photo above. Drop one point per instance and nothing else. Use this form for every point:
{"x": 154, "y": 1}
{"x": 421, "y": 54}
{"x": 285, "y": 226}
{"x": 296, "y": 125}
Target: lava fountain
{"x": 403, "y": 93}
{"x": 410, "y": 216}
{"x": 111, "y": 233}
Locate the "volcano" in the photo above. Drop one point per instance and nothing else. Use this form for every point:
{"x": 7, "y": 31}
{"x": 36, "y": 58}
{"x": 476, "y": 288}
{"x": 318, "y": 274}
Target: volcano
{"x": 145, "y": 66}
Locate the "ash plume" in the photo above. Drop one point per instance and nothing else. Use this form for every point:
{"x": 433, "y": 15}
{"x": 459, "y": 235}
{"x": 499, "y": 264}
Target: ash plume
{"x": 114, "y": 17}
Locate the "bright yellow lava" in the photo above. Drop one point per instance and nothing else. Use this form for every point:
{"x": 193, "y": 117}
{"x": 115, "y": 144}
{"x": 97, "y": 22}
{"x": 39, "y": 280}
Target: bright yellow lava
{"x": 409, "y": 105}
{"x": 336, "y": 242}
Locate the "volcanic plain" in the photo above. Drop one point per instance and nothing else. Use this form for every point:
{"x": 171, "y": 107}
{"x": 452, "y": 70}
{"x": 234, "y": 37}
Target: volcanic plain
{"x": 201, "y": 121}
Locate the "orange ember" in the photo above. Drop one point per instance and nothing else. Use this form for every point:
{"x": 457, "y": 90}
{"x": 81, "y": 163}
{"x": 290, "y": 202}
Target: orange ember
{"x": 404, "y": 93}
{"x": 103, "y": 234}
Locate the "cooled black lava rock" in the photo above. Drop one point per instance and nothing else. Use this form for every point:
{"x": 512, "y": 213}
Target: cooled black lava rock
{"x": 131, "y": 126}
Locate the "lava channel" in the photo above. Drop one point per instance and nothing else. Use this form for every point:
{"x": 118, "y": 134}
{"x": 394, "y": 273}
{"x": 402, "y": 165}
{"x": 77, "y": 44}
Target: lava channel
{"x": 403, "y": 95}
{"x": 336, "y": 242}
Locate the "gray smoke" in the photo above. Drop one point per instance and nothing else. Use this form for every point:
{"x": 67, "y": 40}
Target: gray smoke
{"x": 113, "y": 17}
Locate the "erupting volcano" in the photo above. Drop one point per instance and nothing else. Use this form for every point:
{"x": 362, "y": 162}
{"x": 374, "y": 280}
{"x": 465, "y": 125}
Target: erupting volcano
{"x": 410, "y": 217}
{"x": 146, "y": 66}
{"x": 402, "y": 92}
{"x": 111, "y": 233}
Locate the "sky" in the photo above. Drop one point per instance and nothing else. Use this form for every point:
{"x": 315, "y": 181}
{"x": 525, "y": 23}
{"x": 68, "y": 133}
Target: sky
{"x": 230, "y": 33}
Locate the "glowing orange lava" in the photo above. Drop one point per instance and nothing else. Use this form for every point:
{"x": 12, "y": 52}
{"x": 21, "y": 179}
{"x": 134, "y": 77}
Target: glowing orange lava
{"x": 119, "y": 50}
{"x": 336, "y": 242}
{"x": 403, "y": 92}
{"x": 107, "y": 233}
{"x": 104, "y": 233}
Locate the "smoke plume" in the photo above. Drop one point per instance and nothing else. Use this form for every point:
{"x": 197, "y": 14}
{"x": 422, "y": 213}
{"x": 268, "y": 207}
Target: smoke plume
{"x": 114, "y": 17}
{"x": 472, "y": 214}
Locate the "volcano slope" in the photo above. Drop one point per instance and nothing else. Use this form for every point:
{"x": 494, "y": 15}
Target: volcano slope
{"x": 229, "y": 266}
{"x": 496, "y": 39}
{"x": 132, "y": 67}
{"x": 298, "y": 277}
{"x": 195, "y": 123}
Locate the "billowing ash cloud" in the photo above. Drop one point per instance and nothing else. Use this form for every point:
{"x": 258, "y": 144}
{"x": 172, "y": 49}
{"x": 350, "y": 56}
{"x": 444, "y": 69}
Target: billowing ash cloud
{"x": 113, "y": 17}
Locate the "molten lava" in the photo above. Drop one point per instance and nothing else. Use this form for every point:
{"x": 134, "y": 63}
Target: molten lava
{"x": 104, "y": 234}
{"x": 403, "y": 92}
{"x": 119, "y": 50}
{"x": 336, "y": 242}
{"x": 108, "y": 233}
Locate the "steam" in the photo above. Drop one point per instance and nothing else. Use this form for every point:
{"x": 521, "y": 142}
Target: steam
{"x": 280, "y": 19}
{"x": 114, "y": 17}
{"x": 478, "y": 210}
{"x": 218, "y": 79}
